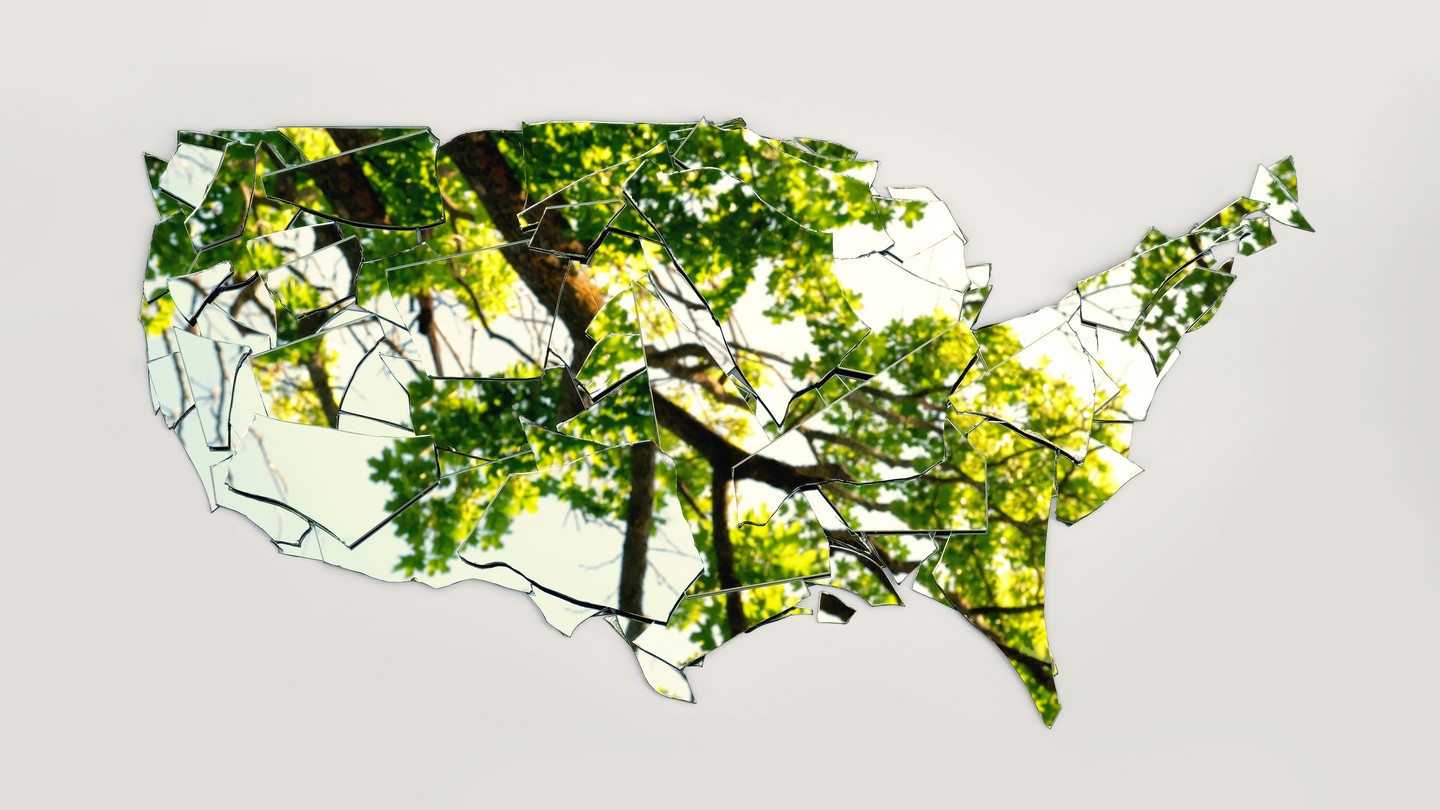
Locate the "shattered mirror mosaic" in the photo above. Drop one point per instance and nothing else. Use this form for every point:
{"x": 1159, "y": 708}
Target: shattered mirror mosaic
{"x": 682, "y": 378}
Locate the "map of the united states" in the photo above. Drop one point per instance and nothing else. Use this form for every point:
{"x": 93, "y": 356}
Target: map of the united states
{"x": 683, "y": 379}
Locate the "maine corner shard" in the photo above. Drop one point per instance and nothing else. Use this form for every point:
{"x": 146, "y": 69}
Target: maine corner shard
{"x": 681, "y": 377}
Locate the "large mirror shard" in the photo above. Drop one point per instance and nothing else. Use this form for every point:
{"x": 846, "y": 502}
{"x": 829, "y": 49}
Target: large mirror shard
{"x": 472, "y": 315}
{"x": 555, "y": 527}
{"x": 211, "y": 368}
{"x": 705, "y": 207}
{"x": 189, "y": 172}
{"x": 683, "y": 377}
{"x": 308, "y": 380}
{"x": 388, "y": 183}
{"x": 220, "y": 215}
{"x": 326, "y": 475}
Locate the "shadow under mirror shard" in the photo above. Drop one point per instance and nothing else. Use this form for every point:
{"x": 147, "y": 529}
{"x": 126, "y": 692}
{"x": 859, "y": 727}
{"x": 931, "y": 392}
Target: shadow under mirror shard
{"x": 681, "y": 376}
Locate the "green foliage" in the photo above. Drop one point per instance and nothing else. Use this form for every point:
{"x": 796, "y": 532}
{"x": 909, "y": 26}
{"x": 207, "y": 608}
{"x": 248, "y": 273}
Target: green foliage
{"x": 675, "y": 284}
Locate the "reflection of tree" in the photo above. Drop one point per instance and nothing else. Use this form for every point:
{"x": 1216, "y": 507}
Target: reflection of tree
{"x": 667, "y": 261}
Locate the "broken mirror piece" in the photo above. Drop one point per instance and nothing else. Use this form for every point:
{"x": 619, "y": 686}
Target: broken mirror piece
{"x": 328, "y": 476}
{"x": 388, "y": 184}
{"x": 639, "y": 567}
{"x": 833, "y": 610}
{"x": 680, "y": 378}
{"x": 211, "y": 367}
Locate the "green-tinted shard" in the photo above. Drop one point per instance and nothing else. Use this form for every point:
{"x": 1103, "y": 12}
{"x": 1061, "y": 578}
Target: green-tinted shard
{"x": 1284, "y": 207}
{"x": 828, "y": 149}
{"x": 974, "y": 302}
{"x": 480, "y": 419}
{"x": 317, "y": 143}
{"x": 387, "y": 184}
{"x": 283, "y": 148}
{"x": 1039, "y": 679}
{"x": 557, "y": 153}
{"x": 862, "y": 575}
{"x": 171, "y": 254}
{"x": 550, "y": 448}
{"x": 1261, "y": 236}
{"x": 475, "y": 216}
{"x": 623, "y": 415}
{"x": 1193, "y": 296}
{"x": 1284, "y": 171}
{"x": 1083, "y": 488}
{"x": 1153, "y": 238}
{"x": 629, "y": 221}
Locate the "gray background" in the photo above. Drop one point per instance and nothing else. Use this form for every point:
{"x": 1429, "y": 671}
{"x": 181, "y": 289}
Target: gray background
{"x": 1251, "y": 623}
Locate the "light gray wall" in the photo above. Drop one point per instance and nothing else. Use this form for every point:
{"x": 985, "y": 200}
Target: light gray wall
{"x": 1251, "y": 623}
